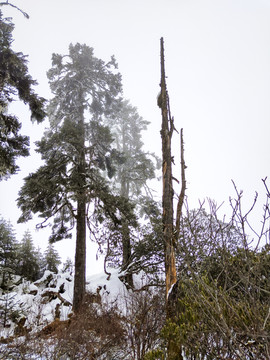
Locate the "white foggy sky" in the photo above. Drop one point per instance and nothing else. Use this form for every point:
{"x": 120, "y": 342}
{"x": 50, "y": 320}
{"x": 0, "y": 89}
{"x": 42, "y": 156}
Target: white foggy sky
{"x": 217, "y": 58}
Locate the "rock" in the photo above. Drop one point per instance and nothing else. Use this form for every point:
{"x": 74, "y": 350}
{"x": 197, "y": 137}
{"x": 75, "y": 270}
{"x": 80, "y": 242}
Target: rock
{"x": 57, "y": 312}
{"x": 33, "y": 292}
{"x": 61, "y": 289}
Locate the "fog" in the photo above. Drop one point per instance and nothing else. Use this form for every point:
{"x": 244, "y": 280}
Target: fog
{"x": 217, "y": 56}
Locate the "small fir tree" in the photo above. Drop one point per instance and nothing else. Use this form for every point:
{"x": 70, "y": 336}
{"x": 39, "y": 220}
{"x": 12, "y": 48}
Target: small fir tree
{"x": 41, "y": 262}
{"x": 68, "y": 266}
{"x": 10, "y": 309}
{"x": 8, "y": 252}
{"x": 28, "y": 258}
{"x": 52, "y": 259}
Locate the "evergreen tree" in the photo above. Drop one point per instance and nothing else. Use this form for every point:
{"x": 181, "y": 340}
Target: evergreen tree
{"x": 15, "y": 82}
{"x": 77, "y": 149}
{"x": 41, "y": 262}
{"x": 138, "y": 165}
{"x": 28, "y": 258}
{"x": 134, "y": 172}
{"x": 8, "y": 252}
{"x": 68, "y": 266}
{"x": 9, "y": 309}
{"x": 52, "y": 259}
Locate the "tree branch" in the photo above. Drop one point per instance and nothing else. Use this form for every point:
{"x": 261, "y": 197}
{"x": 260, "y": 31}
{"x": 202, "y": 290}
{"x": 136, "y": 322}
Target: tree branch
{"x": 183, "y": 188}
{"x": 7, "y": 3}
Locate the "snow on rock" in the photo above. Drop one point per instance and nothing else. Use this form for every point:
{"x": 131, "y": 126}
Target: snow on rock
{"x": 37, "y": 304}
{"x": 110, "y": 288}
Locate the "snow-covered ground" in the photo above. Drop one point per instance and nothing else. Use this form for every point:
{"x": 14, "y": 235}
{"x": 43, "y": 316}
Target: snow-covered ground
{"x": 37, "y": 318}
{"x": 38, "y": 302}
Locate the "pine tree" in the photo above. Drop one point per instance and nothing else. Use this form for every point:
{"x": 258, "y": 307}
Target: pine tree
{"x": 28, "y": 266}
{"x": 134, "y": 172}
{"x": 8, "y": 252}
{"x": 15, "y": 82}
{"x": 10, "y": 310}
{"x": 68, "y": 266}
{"x": 138, "y": 167}
{"x": 77, "y": 148}
{"x": 52, "y": 259}
{"x": 41, "y": 261}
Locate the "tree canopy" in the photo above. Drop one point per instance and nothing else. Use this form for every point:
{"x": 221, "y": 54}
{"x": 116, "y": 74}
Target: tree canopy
{"x": 79, "y": 157}
{"x": 15, "y": 82}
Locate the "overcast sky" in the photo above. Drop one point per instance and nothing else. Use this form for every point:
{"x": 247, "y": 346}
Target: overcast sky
{"x": 217, "y": 58}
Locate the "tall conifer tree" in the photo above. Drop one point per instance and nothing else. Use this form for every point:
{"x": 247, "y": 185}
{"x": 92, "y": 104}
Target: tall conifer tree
{"x": 76, "y": 149}
{"x": 132, "y": 175}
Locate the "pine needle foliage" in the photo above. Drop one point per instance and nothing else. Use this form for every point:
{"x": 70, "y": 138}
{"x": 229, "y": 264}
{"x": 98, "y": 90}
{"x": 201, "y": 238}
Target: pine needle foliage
{"x": 15, "y": 83}
{"x": 72, "y": 186}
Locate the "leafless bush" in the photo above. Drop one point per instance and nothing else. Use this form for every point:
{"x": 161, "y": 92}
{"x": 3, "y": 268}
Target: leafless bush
{"x": 220, "y": 306}
{"x": 144, "y": 318}
{"x": 94, "y": 333}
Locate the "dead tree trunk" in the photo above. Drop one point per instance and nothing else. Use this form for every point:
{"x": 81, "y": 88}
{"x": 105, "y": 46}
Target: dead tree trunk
{"x": 167, "y": 196}
{"x": 170, "y": 232}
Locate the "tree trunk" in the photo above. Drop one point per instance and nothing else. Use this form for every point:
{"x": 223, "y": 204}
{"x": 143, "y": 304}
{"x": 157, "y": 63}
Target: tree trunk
{"x": 80, "y": 251}
{"x": 128, "y": 278}
{"x": 80, "y": 256}
{"x": 183, "y": 188}
{"x": 170, "y": 232}
{"x": 167, "y": 198}
{"x": 126, "y": 243}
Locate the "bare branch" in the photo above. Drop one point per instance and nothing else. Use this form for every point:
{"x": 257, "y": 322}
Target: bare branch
{"x": 183, "y": 188}
{"x": 23, "y": 12}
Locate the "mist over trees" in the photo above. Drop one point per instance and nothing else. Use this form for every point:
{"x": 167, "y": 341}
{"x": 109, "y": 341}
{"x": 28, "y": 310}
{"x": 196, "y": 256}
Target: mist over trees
{"x": 203, "y": 288}
{"x": 20, "y": 257}
{"x": 131, "y": 177}
{"x": 71, "y": 187}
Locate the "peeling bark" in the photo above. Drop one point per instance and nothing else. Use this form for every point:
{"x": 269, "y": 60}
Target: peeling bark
{"x": 167, "y": 196}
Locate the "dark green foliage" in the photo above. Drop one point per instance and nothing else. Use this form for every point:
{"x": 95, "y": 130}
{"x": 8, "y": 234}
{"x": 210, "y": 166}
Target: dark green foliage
{"x": 28, "y": 259}
{"x": 223, "y": 312}
{"x": 68, "y": 266}
{"x": 139, "y": 166}
{"x": 219, "y": 308}
{"x": 10, "y": 310}
{"x": 131, "y": 179}
{"x": 148, "y": 252}
{"x": 15, "y": 82}
{"x": 41, "y": 262}
{"x": 52, "y": 190}
{"x": 72, "y": 186}
{"x": 8, "y": 252}
{"x": 52, "y": 259}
